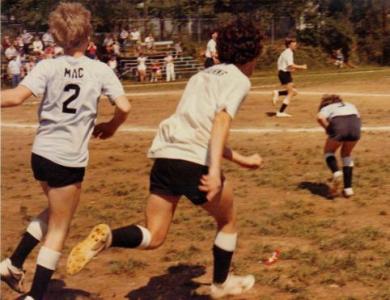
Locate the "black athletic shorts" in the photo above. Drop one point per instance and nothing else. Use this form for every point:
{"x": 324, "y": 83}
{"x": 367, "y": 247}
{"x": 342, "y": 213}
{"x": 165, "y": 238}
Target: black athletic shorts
{"x": 344, "y": 128}
{"x": 209, "y": 62}
{"x": 176, "y": 177}
{"x": 54, "y": 174}
{"x": 285, "y": 77}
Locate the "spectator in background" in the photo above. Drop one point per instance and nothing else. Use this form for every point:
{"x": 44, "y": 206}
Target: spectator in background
{"x": 18, "y": 43}
{"x": 37, "y": 46}
{"x": 178, "y": 49}
{"x": 169, "y": 67}
{"x": 339, "y": 58}
{"x": 49, "y": 51}
{"x": 6, "y": 42}
{"x": 113, "y": 64}
{"x": 141, "y": 67}
{"x": 135, "y": 36}
{"x": 91, "y": 50}
{"x": 11, "y": 52}
{"x": 27, "y": 40}
{"x": 116, "y": 48}
{"x": 123, "y": 36}
{"x": 58, "y": 50}
{"x": 108, "y": 42}
{"x": 155, "y": 71}
{"x": 30, "y": 64}
{"x": 15, "y": 69}
{"x": 47, "y": 39}
{"x": 149, "y": 42}
{"x": 211, "y": 51}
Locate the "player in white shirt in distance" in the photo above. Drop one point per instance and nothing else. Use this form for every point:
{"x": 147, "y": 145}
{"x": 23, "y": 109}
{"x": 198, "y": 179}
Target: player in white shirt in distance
{"x": 71, "y": 86}
{"x": 286, "y": 66}
{"x": 188, "y": 150}
{"x": 341, "y": 121}
{"x": 169, "y": 67}
{"x": 211, "y": 51}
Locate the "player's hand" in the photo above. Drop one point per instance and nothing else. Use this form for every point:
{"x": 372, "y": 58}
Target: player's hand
{"x": 304, "y": 67}
{"x": 211, "y": 184}
{"x": 253, "y": 162}
{"x": 103, "y": 131}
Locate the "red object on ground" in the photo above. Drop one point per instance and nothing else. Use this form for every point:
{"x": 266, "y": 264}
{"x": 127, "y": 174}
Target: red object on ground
{"x": 273, "y": 259}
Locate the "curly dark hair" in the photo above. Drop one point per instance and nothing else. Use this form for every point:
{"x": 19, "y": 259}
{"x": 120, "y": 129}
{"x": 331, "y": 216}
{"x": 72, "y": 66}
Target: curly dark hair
{"x": 329, "y": 99}
{"x": 238, "y": 43}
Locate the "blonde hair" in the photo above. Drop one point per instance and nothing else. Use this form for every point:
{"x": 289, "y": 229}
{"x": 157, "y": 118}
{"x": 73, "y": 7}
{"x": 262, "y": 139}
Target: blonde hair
{"x": 329, "y": 99}
{"x": 70, "y": 25}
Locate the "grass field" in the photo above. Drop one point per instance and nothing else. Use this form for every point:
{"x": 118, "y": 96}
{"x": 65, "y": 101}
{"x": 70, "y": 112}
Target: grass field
{"x": 330, "y": 249}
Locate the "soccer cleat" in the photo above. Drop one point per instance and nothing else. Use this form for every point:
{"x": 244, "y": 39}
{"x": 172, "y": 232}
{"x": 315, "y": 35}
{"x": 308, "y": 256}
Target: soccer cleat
{"x": 98, "y": 239}
{"x": 11, "y": 275}
{"x": 275, "y": 97}
{"x": 234, "y": 285}
{"x": 348, "y": 192}
{"x": 335, "y": 183}
{"x": 282, "y": 115}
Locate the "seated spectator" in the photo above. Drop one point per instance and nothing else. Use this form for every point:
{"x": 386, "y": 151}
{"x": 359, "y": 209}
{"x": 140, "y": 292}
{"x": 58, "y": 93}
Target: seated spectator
{"x": 11, "y": 52}
{"x": 141, "y": 67}
{"x": 116, "y": 49}
{"x": 27, "y": 40}
{"x": 47, "y": 39}
{"x": 18, "y": 43}
{"x": 155, "y": 71}
{"x": 169, "y": 67}
{"x": 149, "y": 42}
{"x": 49, "y": 51}
{"x": 91, "y": 50}
{"x": 135, "y": 37}
{"x": 37, "y": 46}
{"x": 123, "y": 36}
{"x": 113, "y": 64}
{"x": 6, "y": 42}
{"x": 58, "y": 50}
{"x": 14, "y": 70}
{"x": 30, "y": 64}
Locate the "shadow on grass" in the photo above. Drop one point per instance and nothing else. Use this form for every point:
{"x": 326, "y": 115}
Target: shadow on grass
{"x": 316, "y": 188}
{"x": 176, "y": 284}
{"x": 270, "y": 114}
{"x": 57, "y": 290}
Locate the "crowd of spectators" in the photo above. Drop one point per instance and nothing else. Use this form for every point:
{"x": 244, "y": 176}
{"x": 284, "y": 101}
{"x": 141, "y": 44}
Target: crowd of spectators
{"x": 22, "y": 52}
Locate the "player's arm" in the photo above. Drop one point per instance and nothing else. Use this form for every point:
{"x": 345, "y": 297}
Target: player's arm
{"x": 293, "y": 67}
{"x": 253, "y": 161}
{"x": 322, "y": 120}
{"x": 15, "y": 96}
{"x": 211, "y": 183}
{"x": 107, "y": 129}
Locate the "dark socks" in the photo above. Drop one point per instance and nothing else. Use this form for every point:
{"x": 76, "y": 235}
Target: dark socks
{"x": 127, "y": 237}
{"x": 332, "y": 163}
{"x": 283, "y": 93}
{"x": 26, "y": 245}
{"x": 283, "y": 107}
{"x": 222, "y": 260}
{"x": 347, "y": 173}
{"x": 40, "y": 283}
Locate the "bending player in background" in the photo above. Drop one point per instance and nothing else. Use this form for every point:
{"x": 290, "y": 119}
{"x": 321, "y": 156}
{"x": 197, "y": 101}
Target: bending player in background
{"x": 188, "y": 150}
{"x": 341, "y": 120}
{"x": 286, "y": 65}
{"x": 71, "y": 86}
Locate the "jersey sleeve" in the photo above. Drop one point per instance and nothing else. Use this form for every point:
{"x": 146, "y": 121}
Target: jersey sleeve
{"x": 36, "y": 80}
{"x": 233, "y": 94}
{"x": 289, "y": 58}
{"x": 325, "y": 111}
{"x": 112, "y": 87}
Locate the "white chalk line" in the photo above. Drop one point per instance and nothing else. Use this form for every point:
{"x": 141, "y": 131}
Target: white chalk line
{"x": 268, "y": 93}
{"x": 249, "y": 130}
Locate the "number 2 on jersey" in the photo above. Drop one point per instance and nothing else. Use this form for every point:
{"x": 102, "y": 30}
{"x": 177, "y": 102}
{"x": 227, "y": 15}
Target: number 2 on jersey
{"x": 76, "y": 92}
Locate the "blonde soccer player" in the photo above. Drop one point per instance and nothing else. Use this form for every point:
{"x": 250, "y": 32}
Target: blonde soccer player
{"x": 187, "y": 151}
{"x": 71, "y": 86}
{"x": 341, "y": 121}
{"x": 286, "y": 66}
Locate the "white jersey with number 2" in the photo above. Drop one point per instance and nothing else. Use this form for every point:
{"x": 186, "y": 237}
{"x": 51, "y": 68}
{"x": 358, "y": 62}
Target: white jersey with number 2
{"x": 71, "y": 88}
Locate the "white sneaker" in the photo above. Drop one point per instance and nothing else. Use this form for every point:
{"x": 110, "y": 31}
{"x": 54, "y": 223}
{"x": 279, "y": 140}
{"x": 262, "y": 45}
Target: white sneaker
{"x": 275, "y": 96}
{"x": 335, "y": 183}
{"x": 282, "y": 115}
{"x": 98, "y": 239}
{"x": 11, "y": 275}
{"x": 234, "y": 285}
{"x": 348, "y": 192}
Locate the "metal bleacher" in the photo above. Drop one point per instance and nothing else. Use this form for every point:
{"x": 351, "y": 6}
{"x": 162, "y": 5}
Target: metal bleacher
{"x": 185, "y": 65}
